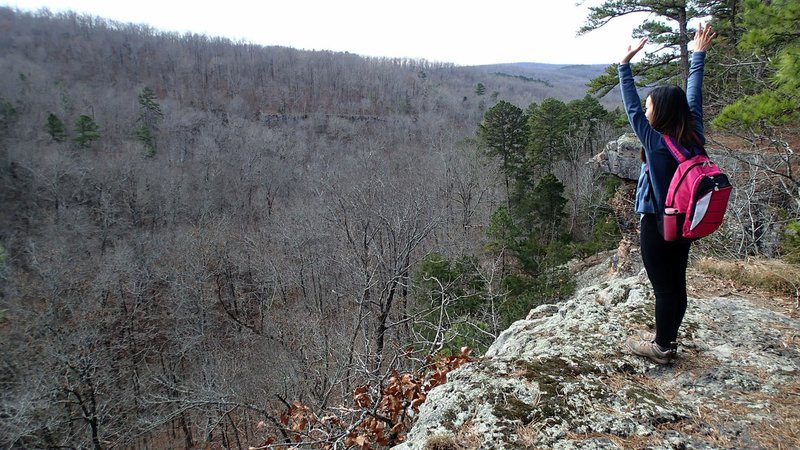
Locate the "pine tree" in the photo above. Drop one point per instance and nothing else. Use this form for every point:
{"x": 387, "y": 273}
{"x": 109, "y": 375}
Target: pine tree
{"x": 586, "y": 116}
{"x": 86, "y": 131}
{"x": 145, "y": 136}
{"x": 505, "y": 132}
{"x": 669, "y": 31}
{"x": 149, "y": 116}
{"x": 8, "y": 115}
{"x": 548, "y": 124}
{"x": 772, "y": 36}
{"x": 56, "y": 128}
{"x": 149, "y": 109}
{"x": 548, "y": 207}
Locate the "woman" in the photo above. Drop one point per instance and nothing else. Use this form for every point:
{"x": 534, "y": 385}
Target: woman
{"x": 672, "y": 112}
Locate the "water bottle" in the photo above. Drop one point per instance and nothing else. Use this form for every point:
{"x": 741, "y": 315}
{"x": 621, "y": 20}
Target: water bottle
{"x": 671, "y": 224}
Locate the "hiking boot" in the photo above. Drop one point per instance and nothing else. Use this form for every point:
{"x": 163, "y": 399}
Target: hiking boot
{"x": 651, "y": 350}
{"x": 646, "y": 335}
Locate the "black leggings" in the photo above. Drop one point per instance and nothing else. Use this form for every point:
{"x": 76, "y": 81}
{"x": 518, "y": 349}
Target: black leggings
{"x": 665, "y": 263}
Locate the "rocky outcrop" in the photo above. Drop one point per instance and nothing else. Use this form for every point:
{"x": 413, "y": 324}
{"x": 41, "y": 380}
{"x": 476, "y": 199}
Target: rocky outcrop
{"x": 620, "y": 157}
{"x": 561, "y": 379}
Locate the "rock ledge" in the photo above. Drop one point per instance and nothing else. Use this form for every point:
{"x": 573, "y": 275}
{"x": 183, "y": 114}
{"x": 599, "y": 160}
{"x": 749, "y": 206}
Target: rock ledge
{"x": 561, "y": 379}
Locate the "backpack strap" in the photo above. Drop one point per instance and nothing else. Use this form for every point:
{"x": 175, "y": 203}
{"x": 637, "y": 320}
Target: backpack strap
{"x": 678, "y": 151}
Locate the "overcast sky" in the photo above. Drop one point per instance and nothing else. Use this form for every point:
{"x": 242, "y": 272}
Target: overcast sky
{"x": 464, "y": 32}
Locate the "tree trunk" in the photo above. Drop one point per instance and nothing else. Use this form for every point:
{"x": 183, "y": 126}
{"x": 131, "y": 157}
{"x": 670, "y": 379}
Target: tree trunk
{"x": 683, "y": 43}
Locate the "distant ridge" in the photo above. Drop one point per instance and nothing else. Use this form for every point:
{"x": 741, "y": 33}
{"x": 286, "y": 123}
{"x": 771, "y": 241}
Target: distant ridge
{"x": 578, "y": 71}
{"x": 574, "y": 76}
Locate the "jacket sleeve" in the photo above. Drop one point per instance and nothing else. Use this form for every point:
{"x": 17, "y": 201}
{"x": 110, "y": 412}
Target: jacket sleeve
{"x": 633, "y": 108}
{"x": 660, "y": 162}
{"x": 694, "y": 92}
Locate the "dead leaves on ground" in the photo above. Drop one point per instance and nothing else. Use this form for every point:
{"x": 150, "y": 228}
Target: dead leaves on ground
{"x": 381, "y": 416}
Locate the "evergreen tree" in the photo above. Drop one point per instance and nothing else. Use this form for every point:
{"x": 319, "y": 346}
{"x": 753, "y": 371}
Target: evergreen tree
{"x": 454, "y": 294}
{"x": 149, "y": 116}
{"x": 586, "y": 111}
{"x": 145, "y": 136}
{"x": 586, "y": 116}
{"x": 86, "y": 131}
{"x": 480, "y": 89}
{"x": 548, "y": 124}
{"x": 150, "y": 110}
{"x": 668, "y": 30}
{"x": 504, "y": 132}
{"x": 56, "y": 128}
{"x": 548, "y": 207}
{"x": 502, "y": 231}
{"x": 772, "y": 36}
{"x": 531, "y": 235}
{"x": 8, "y": 115}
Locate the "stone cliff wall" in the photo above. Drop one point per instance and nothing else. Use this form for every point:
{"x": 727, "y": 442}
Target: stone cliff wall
{"x": 561, "y": 379}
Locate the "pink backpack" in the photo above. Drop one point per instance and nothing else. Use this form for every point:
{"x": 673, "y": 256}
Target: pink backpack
{"x": 697, "y": 196}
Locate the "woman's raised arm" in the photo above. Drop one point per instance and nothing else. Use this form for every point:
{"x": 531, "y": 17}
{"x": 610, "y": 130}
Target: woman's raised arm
{"x": 694, "y": 85}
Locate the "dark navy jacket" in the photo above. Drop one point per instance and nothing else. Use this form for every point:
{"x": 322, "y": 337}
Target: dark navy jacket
{"x": 660, "y": 162}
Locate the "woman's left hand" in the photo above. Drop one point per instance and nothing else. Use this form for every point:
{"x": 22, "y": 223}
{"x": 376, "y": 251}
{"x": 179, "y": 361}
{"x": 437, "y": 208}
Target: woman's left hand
{"x": 703, "y": 37}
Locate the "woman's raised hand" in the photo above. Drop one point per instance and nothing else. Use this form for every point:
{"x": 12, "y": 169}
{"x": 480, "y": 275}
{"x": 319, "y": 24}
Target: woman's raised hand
{"x": 632, "y": 51}
{"x": 703, "y": 37}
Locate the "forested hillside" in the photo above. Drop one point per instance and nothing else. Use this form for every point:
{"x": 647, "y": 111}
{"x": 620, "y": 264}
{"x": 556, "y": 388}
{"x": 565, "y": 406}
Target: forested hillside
{"x": 197, "y": 233}
{"x": 205, "y": 242}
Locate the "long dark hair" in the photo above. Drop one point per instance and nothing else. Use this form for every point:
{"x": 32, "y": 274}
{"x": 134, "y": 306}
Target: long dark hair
{"x": 672, "y": 116}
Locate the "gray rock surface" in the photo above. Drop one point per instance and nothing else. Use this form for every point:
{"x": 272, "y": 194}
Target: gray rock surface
{"x": 621, "y": 157}
{"x": 561, "y": 379}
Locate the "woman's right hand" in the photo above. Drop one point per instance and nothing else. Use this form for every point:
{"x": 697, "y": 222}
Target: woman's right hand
{"x": 632, "y": 51}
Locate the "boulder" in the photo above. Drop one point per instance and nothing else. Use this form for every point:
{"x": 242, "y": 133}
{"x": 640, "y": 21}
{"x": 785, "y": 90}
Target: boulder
{"x": 620, "y": 157}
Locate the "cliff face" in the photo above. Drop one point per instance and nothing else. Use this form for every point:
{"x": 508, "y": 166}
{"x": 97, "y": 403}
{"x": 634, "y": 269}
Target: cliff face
{"x": 562, "y": 379}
